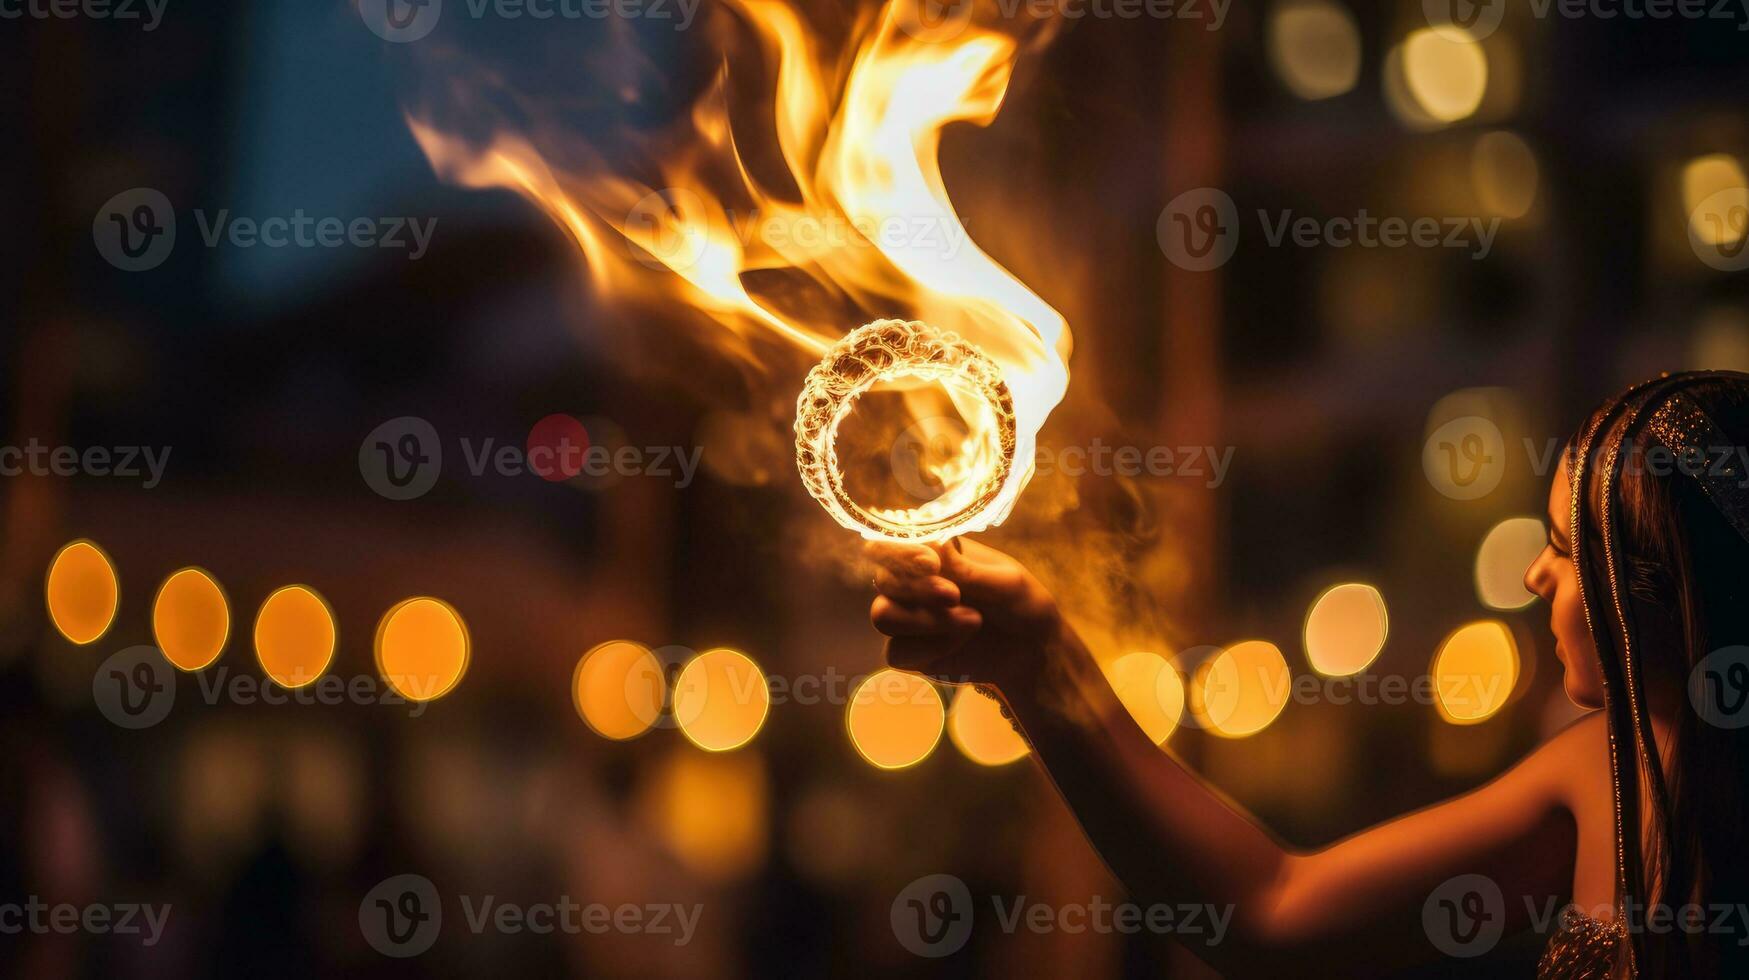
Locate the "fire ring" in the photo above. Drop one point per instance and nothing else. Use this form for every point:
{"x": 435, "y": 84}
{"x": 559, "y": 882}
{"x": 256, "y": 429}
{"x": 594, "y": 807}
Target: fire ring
{"x": 887, "y": 350}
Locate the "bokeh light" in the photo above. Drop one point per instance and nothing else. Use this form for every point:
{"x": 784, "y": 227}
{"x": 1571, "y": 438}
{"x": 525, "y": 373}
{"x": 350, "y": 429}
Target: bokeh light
{"x": 294, "y": 636}
{"x": 1150, "y": 689}
{"x": 422, "y": 648}
{"x": 1715, "y": 196}
{"x": 894, "y": 719}
{"x": 709, "y": 811}
{"x": 1505, "y": 555}
{"x": 1475, "y": 671}
{"x": 1435, "y": 76}
{"x": 191, "y": 620}
{"x": 1345, "y": 629}
{"x": 1242, "y": 689}
{"x": 978, "y": 730}
{"x": 1504, "y": 170}
{"x": 720, "y": 699}
{"x": 82, "y": 591}
{"x": 1721, "y": 340}
{"x": 618, "y": 689}
{"x": 1314, "y": 47}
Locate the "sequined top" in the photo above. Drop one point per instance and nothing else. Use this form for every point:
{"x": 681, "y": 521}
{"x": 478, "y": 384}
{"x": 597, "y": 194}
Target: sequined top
{"x": 1582, "y": 948}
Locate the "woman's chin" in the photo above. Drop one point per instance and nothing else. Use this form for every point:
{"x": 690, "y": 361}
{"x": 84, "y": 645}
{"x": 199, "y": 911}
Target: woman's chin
{"x": 1581, "y": 698}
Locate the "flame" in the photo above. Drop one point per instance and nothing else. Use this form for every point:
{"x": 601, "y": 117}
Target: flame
{"x": 866, "y": 217}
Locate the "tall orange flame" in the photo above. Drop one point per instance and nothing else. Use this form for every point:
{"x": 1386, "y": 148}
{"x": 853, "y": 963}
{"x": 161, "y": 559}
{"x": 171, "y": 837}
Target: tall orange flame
{"x": 868, "y": 218}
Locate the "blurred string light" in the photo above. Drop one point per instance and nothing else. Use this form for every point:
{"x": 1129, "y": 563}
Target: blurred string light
{"x": 1314, "y": 46}
{"x": 1505, "y": 555}
{"x": 1474, "y": 672}
{"x": 1715, "y": 196}
{"x": 1241, "y": 690}
{"x": 294, "y": 636}
{"x": 977, "y": 728}
{"x": 1504, "y": 171}
{"x": 720, "y": 700}
{"x": 191, "y": 619}
{"x": 894, "y": 719}
{"x": 422, "y": 648}
{"x": 82, "y": 591}
{"x": 709, "y": 811}
{"x": 618, "y": 689}
{"x": 1435, "y": 76}
{"x": 1345, "y": 629}
{"x": 1150, "y": 689}
{"x": 1721, "y": 340}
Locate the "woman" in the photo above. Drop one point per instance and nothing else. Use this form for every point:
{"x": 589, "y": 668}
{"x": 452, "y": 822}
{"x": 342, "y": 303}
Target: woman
{"x": 1646, "y": 573}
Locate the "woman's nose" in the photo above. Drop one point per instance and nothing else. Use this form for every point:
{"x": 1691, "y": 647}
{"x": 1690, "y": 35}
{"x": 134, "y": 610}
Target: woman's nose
{"x": 1536, "y": 577}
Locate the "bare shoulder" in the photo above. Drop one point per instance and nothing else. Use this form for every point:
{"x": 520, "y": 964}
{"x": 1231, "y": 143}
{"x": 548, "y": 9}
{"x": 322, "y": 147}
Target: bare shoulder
{"x": 1575, "y": 761}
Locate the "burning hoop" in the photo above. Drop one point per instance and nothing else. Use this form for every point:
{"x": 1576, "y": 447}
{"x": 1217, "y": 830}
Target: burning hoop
{"x": 898, "y": 350}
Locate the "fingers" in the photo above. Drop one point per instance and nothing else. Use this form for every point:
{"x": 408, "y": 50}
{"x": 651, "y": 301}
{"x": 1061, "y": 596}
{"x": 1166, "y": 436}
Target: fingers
{"x": 983, "y": 574}
{"x": 917, "y": 590}
{"x": 903, "y": 559}
{"x": 897, "y": 619}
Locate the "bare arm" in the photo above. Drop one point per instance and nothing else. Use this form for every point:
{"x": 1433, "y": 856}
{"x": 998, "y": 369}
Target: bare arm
{"x": 1172, "y": 838}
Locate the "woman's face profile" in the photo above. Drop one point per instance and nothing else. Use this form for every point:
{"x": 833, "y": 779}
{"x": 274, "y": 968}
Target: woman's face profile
{"x": 1552, "y": 576}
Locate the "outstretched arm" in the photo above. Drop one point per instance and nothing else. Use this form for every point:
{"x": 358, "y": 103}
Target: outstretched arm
{"x": 976, "y": 614}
